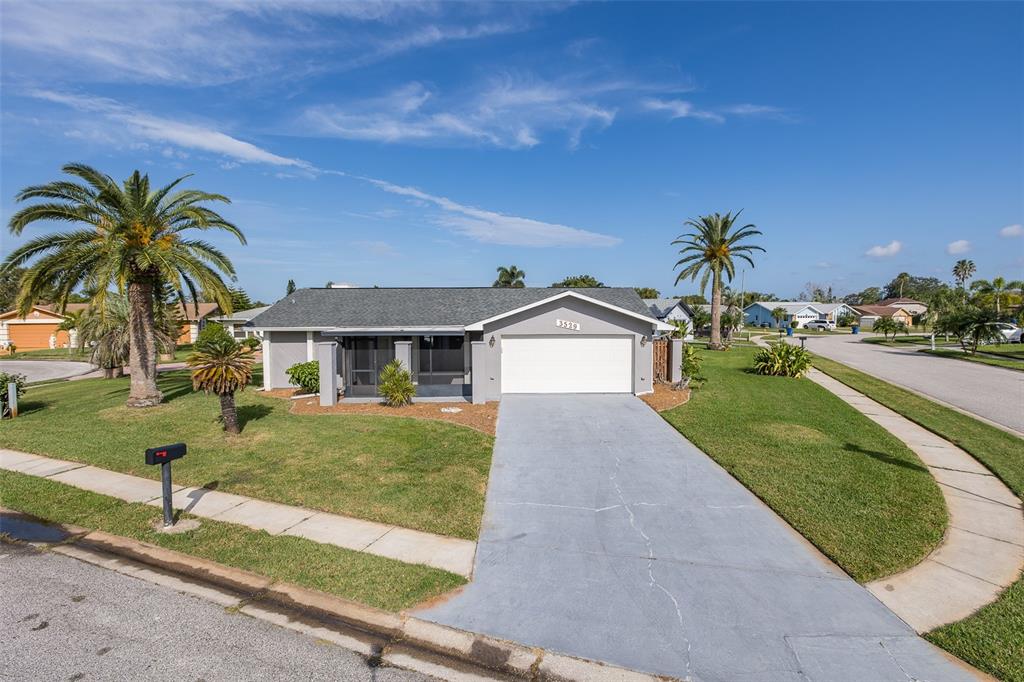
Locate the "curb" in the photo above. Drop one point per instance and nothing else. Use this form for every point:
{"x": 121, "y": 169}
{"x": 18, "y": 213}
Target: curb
{"x": 398, "y": 639}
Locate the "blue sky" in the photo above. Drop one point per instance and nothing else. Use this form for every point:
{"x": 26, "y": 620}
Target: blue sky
{"x": 425, "y": 144}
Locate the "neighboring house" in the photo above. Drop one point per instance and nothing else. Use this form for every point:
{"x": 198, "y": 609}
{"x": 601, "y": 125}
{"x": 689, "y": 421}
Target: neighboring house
{"x": 868, "y": 314}
{"x": 236, "y": 321}
{"x": 798, "y": 313}
{"x": 468, "y": 342}
{"x": 194, "y": 317}
{"x": 671, "y": 310}
{"x": 910, "y": 305}
{"x": 38, "y": 330}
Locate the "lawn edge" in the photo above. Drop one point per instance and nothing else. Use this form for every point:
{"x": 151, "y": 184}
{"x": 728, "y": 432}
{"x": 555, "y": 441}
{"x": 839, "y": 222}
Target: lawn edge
{"x": 397, "y": 633}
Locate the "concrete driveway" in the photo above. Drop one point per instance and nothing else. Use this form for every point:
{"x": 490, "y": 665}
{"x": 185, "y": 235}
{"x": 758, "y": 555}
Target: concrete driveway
{"x": 45, "y": 370}
{"x": 608, "y": 535}
{"x": 993, "y": 393}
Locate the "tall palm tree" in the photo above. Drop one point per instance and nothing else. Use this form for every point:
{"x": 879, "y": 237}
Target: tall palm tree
{"x": 709, "y": 251}
{"x": 222, "y": 366}
{"x": 997, "y": 288}
{"x": 963, "y": 271}
{"x": 510, "y": 278}
{"x": 134, "y": 242}
{"x": 902, "y": 280}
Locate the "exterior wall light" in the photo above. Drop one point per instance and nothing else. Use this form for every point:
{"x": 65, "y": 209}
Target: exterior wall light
{"x": 643, "y": 340}
{"x": 491, "y": 341}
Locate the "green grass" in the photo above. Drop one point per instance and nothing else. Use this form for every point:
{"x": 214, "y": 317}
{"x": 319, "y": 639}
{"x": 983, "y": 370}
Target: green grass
{"x": 850, "y": 487}
{"x": 1010, "y": 350}
{"x": 1004, "y": 362}
{"x": 180, "y": 353}
{"x": 902, "y": 340}
{"x": 376, "y": 581}
{"x": 414, "y": 473}
{"x": 993, "y": 638}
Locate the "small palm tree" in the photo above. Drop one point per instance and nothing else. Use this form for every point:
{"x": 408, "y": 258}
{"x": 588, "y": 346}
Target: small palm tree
{"x": 779, "y": 314}
{"x": 710, "y": 249}
{"x": 134, "y": 241}
{"x": 222, "y": 366}
{"x": 681, "y": 329}
{"x": 510, "y": 278}
{"x": 997, "y": 289}
{"x": 701, "y": 319}
{"x": 106, "y": 328}
{"x": 963, "y": 271}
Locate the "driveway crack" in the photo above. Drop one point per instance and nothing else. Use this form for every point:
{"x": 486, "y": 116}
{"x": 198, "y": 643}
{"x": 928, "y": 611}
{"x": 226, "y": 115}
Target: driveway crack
{"x": 653, "y": 582}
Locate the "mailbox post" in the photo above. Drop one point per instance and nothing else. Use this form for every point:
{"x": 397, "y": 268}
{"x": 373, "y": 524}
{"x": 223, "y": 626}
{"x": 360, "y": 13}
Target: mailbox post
{"x": 164, "y": 456}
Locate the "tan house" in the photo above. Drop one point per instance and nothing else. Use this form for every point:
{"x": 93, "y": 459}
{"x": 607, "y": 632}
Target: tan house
{"x": 868, "y": 314}
{"x": 910, "y": 305}
{"x": 38, "y": 330}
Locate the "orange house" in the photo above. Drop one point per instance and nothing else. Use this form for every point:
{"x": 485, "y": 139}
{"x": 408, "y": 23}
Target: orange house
{"x": 37, "y": 330}
{"x": 194, "y": 317}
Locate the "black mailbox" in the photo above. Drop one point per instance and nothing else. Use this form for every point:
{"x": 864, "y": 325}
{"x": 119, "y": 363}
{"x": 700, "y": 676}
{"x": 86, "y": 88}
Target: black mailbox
{"x": 165, "y": 454}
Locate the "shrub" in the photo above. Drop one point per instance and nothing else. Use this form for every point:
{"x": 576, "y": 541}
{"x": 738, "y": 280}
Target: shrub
{"x": 212, "y": 331}
{"x": 845, "y": 320}
{"x": 251, "y": 342}
{"x": 395, "y": 385}
{"x": 305, "y": 375}
{"x": 782, "y": 360}
{"x": 690, "y": 366}
{"x": 19, "y": 382}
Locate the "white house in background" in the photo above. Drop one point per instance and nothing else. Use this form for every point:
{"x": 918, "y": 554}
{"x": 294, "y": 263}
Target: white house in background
{"x": 235, "y": 322}
{"x": 798, "y": 313}
{"x": 671, "y": 310}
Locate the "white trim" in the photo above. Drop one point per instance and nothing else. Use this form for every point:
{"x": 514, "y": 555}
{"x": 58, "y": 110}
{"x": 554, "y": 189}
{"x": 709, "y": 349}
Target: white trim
{"x": 335, "y": 331}
{"x": 266, "y": 363}
{"x": 310, "y": 348}
{"x": 658, "y": 324}
{"x": 290, "y": 329}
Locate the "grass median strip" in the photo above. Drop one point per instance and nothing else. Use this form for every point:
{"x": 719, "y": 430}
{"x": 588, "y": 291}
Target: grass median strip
{"x": 1006, "y": 362}
{"x": 845, "y": 483}
{"x": 413, "y": 473}
{"x": 993, "y": 638}
{"x": 372, "y": 580}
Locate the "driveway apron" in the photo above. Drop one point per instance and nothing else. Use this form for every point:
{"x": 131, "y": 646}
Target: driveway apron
{"x": 609, "y": 536}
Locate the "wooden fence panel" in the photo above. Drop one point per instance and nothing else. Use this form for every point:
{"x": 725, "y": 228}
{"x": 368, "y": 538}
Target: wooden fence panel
{"x": 662, "y": 351}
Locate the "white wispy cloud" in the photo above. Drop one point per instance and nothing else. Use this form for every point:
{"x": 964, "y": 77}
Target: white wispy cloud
{"x": 133, "y": 124}
{"x": 497, "y": 228}
{"x": 510, "y": 111}
{"x": 957, "y": 247}
{"x": 678, "y": 108}
{"x": 376, "y": 248}
{"x": 1015, "y": 230}
{"x": 221, "y": 41}
{"x": 886, "y": 251}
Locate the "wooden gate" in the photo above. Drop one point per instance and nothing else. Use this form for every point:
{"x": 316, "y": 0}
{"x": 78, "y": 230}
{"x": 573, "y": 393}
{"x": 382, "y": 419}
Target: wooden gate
{"x": 662, "y": 351}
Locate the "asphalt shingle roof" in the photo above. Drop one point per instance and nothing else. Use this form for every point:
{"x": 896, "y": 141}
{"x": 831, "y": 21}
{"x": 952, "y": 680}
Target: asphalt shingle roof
{"x": 420, "y": 307}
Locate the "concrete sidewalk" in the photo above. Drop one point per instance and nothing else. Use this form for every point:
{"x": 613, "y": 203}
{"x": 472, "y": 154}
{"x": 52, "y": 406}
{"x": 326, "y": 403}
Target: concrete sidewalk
{"x": 411, "y": 546}
{"x": 983, "y": 550}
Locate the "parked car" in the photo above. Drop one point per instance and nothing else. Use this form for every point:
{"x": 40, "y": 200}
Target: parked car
{"x": 823, "y": 325}
{"x": 1010, "y": 332}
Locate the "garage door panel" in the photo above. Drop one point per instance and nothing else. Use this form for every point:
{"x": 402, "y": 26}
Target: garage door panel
{"x": 567, "y": 364}
{"x": 31, "y": 336}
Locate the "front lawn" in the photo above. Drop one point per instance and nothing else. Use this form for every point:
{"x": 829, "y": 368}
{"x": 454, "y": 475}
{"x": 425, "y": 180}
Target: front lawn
{"x": 993, "y": 638}
{"x": 180, "y": 353}
{"x": 1010, "y": 350}
{"x": 1006, "y": 362}
{"x": 414, "y": 473}
{"x": 373, "y": 580}
{"x": 849, "y": 486}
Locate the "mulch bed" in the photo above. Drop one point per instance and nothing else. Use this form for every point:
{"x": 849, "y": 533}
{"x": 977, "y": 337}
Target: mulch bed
{"x": 483, "y": 418}
{"x": 664, "y": 398}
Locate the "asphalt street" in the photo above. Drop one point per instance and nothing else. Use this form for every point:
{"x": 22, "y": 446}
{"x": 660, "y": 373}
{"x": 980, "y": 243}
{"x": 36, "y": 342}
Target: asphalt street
{"x": 62, "y": 619}
{"x": 45, "y": 370}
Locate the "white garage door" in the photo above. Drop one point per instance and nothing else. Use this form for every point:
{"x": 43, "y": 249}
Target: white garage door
{"x": 567, "y": 364}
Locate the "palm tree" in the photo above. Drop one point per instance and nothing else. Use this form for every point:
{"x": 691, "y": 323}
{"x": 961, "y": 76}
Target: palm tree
{"x": 710, "y": 250}
{"x": 779, "y": 314}
{"x": 997, "y": 288}
{"x": 510, "y": 278}
{"x": 222, "y": 366}
{"x": 963, "y": 271}
{"x": 701, "y": 319}
{"x": 107, "y": 329}
{"x": 134, "y": 242}
{"x": 902, "y": 280}
{"x": 289, "y": 288}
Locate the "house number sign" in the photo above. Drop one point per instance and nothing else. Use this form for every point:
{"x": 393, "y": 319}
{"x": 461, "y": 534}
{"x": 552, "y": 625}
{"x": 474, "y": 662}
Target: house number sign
{"x": 566, "y": 324}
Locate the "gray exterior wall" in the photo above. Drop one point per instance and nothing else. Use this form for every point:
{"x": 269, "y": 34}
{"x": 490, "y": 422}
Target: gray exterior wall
{"x": 286, "y": 349}
{"x": 593, "y": 319}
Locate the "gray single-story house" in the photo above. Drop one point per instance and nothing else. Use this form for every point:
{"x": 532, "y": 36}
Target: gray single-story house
{"x": 672, "y": 310}
{"x": 235, "y": 322}
{"x": 474, "y": 343}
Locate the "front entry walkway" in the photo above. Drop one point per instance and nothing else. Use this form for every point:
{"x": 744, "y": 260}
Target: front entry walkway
{"x": 607, "y": 535}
